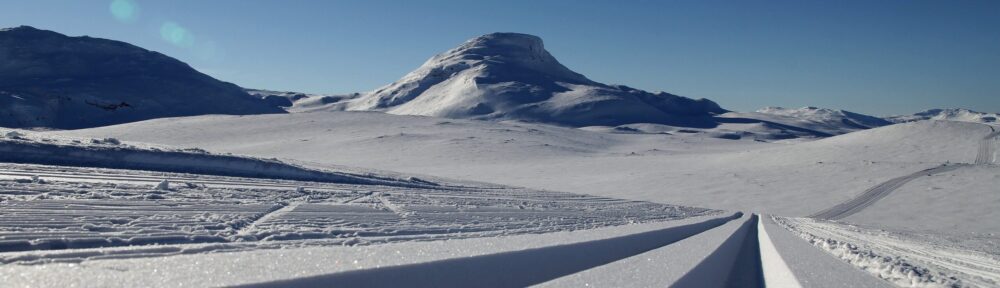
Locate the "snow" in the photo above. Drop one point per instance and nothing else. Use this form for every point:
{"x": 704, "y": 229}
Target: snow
{"x": 775, "y": 269}
{"x": 968, "y": 197}
{"x": 236, "y": 268}
{"x": 954, "y": 114}
{"x": 50, "y": 80}
{"x": 905, "y": 259}
{"x": 111, "y": 153}
{"x": 278, "y": 232}
{"x": 89, "y": 207}
{"x": 822, "y": 120}
{"x": 510, "y": 76}
{"x": 793, "y": 179}
{"x": 814, "y": 267}
{"x": 659, "y": 267}
{"x": 432, "y": 195}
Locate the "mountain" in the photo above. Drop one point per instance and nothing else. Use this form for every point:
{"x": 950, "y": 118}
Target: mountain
{"x": 510, "y": 76}
{"x": 303, "y": 102}
{"x": 51, "y": 80}
{"x": 828, "y": 121}
{"x": 955, "y": 114}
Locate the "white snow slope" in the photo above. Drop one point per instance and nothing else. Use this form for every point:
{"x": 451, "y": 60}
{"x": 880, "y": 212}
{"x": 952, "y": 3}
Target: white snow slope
{"x": 76, "y": 230}
{"x": 784, "y": 179}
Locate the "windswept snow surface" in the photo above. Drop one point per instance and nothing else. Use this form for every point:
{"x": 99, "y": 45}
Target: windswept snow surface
{"x": 903, "y": 258}
{"x": 809, "y": 266}
{"x": 122, "y": 208}
{"x": 874, "y": 194}
{"x": 27, "y": 147}
{"x": 794, "y": 179}
{"x": 987, "y": 153}
{"x": 960, "y": 202}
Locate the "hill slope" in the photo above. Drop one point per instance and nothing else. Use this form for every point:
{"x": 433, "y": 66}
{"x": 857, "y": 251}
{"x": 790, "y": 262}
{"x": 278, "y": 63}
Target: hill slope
{"x": 51, "y": 80}
{"x": 829, "y": 121}
{"x": 688, "y": 169}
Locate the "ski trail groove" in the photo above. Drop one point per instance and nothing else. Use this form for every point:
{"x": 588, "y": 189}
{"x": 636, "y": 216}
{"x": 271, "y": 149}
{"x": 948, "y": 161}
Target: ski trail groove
{"x": 874, "y": 194}
{"x": 249, "y": 230}
{"x": 509, "y": 269}
{"x": 775, "y": 269}
{"x": 737, "y": 262}
{"x": 987, "y": 146}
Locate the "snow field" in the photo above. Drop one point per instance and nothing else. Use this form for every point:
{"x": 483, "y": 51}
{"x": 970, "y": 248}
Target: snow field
{"x": 901, "y": 258}
{"x": 421, "y": 257}
{"x": 61, "y": 213}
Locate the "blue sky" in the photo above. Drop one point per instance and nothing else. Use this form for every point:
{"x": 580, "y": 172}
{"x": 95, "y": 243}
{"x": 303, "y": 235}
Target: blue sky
{"x": 877, "y": 57}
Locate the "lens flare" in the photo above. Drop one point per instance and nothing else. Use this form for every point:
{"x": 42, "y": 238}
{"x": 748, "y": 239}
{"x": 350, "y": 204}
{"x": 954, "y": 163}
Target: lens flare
{"x": 174, "y": 34}
{"x": 124, "y": 10}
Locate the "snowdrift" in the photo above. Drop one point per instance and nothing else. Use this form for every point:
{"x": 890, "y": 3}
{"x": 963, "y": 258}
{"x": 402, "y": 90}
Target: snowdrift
{"x": 16, "y": 147}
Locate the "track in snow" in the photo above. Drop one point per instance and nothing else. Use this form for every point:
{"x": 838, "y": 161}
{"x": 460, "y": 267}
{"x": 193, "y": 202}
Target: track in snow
{"x": 987, "y": 148}
{"x": 509, "y": 269}
{"x": 872, "y": 195}
{"x": 984, "y": 156}
{"x": 79, "y": 208}
{"x": 901, "y": 258}
{"x": 737, "y": 261}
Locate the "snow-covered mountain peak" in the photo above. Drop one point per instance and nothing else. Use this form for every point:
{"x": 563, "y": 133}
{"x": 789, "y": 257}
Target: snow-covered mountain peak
{"x": 509, "y": 49}
{"x": 510, "y": 76}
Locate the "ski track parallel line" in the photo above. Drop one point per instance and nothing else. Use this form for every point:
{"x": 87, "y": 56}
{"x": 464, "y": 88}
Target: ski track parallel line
{"x": 735, "y": 263}
{"x": 530, "y": 266}
{"x": 775, "y": 269}
{"x": 874, "y": 194}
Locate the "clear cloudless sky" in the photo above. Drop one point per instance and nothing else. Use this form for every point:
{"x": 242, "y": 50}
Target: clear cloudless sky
{"x": 878, "y": 57}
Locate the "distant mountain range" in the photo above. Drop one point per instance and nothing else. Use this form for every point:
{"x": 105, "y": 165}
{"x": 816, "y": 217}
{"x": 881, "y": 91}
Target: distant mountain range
{"x": 965, "y": 115}
{"x": 51, "y": 80}
{"x": 829, "y": 121}
{"x": 54, "y": 81}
